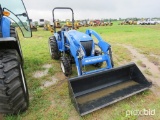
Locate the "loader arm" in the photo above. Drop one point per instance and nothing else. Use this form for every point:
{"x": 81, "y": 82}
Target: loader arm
{"x": 74, "y": 49}
{"x": 102, "y": 44}
{"x": 77, "y": 52}
{"x": 62, "y": 8}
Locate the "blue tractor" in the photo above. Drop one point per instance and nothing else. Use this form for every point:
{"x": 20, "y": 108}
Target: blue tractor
{"x": 92, "y": 90}
{"x": 14, "y": 96}
{"x": 71, "y": 46}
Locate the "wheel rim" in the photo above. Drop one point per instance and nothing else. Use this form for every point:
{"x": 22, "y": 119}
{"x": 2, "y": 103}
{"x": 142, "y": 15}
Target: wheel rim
{"x": 50, "y": 49}
{"x": 24, "y": 84}
{"x": 62, "y": 67}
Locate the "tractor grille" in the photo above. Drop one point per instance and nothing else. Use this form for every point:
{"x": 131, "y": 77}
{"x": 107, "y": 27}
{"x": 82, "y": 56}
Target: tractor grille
{"x": 87, "y": 45}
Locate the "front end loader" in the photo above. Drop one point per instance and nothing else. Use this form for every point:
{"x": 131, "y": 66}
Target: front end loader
{"x": 94, "y": 89}
{"x": 14, "y": 97}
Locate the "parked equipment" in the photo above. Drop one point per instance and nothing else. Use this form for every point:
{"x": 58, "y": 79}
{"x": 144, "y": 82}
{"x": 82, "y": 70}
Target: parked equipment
{"x": 97, "y": 22}
{"x": 92, "y": 23}
{"x": 109, "y": 23}
{"x": 47, "y": 26}
{"x": 57, "y": 24}
{"x": 68, "y": 23}
{"x": 41, "y": 23}
{"x": 77, "y": 24}
{"x": 103, "y": 23}
{"x": 94, "y": 89}
{"x": 33, "y": 25}
{"x": 14, "y": 96}
{"x": 85, "y": 23}
{"x": 128, "y": 22}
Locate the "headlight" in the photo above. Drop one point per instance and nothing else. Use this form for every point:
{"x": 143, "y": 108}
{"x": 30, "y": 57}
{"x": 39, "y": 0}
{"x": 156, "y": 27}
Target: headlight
{"x": 93, "y": 51}
{"x": 81, "y": 52}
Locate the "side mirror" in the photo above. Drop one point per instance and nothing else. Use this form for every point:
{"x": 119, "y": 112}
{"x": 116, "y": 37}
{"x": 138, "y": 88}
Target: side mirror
{"x": 23, "y": 14}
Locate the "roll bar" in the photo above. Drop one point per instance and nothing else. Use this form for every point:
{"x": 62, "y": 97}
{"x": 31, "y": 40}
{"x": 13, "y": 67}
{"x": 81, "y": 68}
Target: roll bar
{"x": 63, "y": 8}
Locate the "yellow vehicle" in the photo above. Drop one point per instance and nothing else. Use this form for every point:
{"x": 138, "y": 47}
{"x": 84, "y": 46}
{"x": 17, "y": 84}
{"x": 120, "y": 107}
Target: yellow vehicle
{"x": 77, "y": 24}
{"x": 57, "y": 24}
{"x": 109, "y": 23}
{"x": 92, "y": 23}
{"x": 68, "y": 23}
{"x": 128, "y": 22}
{"x": 47, "y": 26}
{"x": 103, "y": 23}
{"x": 134, "y": 22}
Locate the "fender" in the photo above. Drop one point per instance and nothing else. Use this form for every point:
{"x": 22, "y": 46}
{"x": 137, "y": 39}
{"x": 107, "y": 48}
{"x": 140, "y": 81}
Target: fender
{"x": 11, "y": 43}
{"x": 5, "y": 27}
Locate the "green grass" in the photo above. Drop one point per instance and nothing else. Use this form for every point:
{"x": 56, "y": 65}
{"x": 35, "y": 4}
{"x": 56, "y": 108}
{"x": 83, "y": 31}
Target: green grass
{"x": 53, "y": 103}
{"x": 147, "y": 72}
{"x": 145, "y": 38}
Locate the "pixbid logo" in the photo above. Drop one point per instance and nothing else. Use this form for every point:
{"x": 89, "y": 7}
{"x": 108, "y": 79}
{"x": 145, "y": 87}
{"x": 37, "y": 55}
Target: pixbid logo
{"x": 140, "y": 112}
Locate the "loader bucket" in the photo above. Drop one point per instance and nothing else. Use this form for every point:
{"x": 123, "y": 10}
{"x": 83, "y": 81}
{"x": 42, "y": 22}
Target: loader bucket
{"x": 94, "y": 91}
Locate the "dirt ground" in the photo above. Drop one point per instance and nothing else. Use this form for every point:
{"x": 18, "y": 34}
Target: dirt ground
{"x": 1, "y": 117}
{"x": 147, "y": 65}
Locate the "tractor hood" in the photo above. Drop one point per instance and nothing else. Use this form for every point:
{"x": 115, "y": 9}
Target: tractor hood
{"x": 79, "y": 35}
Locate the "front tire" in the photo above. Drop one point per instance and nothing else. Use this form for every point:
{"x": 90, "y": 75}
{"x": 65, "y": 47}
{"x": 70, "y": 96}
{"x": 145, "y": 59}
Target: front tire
{"x": 14, "y": 96}
{"x": 66, "y": 66}
{"x": 111, "y": 58}
{"x": 53, "y": 48}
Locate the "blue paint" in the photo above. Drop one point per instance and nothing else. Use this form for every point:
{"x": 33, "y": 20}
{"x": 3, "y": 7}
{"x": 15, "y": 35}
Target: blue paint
{"x": 73, "y": 39}
{"x": 5, "y": 27}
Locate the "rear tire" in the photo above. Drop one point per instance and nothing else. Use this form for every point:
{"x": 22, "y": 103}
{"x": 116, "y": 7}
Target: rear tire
{"x": 53, "y": 48}
{"x": 66, "y": 66}
{"x": 14, "y": 96}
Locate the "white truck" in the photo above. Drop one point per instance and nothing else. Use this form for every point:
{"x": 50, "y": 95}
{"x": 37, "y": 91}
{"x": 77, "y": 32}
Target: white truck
{"x": 150, "y": 22}
{"x": 147, "y": 22}
{"x": 41, "y": 23}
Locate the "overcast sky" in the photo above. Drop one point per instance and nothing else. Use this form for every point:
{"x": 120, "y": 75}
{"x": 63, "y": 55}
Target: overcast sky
{"x": 93, "y": 9}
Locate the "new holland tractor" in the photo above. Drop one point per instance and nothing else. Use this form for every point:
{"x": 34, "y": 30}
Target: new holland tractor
{"x": 95, "y": 89}
{"x": 14, "y": 96}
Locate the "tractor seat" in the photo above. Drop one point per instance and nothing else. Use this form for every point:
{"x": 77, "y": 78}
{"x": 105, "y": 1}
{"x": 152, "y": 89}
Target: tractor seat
{"x": 59, "y": 32}
{"x": 65, "y": 28}
{"x": 60, "y": 36}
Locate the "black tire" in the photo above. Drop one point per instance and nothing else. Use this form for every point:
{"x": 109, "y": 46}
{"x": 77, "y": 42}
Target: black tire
{"x": 13, "y": 32}
{"x": 97, "y": 53}
{"x": 53, "y": 48}
{"x": 111, "y": 58}
{"x": 14, "y": 96}
{"x": 66, "y": 66}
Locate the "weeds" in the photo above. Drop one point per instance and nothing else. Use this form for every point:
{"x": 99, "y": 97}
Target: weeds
{"x": 146, "y": 71}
